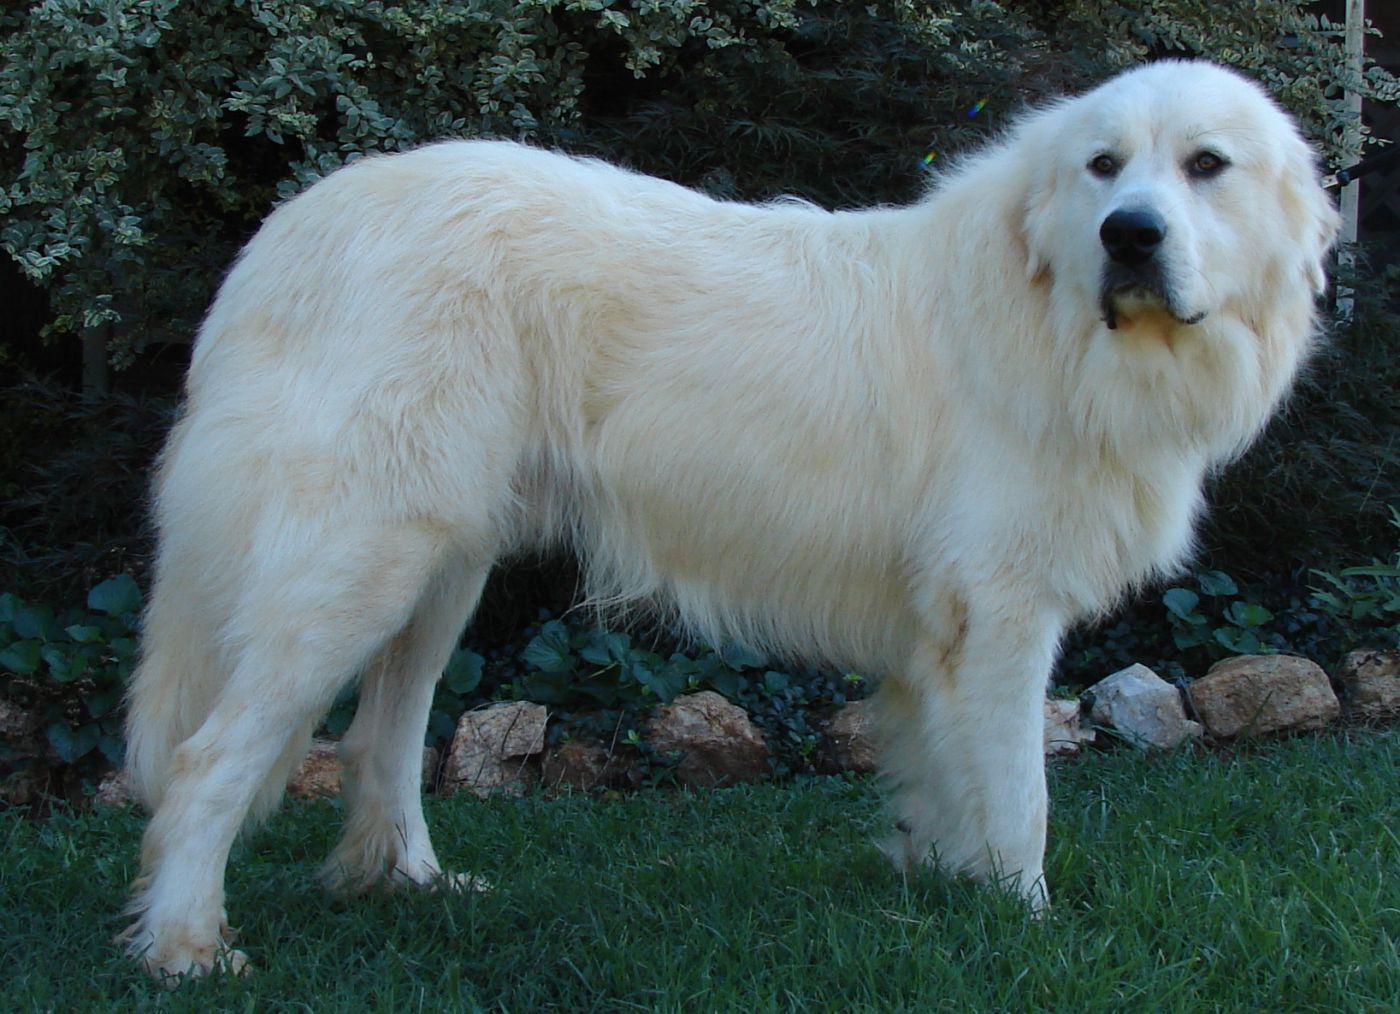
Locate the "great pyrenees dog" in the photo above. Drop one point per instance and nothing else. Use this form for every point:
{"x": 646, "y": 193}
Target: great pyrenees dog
{"x": 918, "y": 442}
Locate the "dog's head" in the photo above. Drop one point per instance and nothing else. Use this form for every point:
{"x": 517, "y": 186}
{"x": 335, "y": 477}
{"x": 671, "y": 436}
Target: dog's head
{"x": 1175, "y": 192}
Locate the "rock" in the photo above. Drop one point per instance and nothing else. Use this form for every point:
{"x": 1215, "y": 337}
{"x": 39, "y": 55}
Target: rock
{"x": 851, "y": 736}
{"x": 491, "y": 746}
{"x": 718, "y": 743}
{"x": 113, "y": 791}
{"x": 19, "y": 728}
{"x": 25, "y": 759}
{"x": 579, "y": 764}
{"x": 1251, "y": 695}
{"x": 1143, "y": 708}
{"x": 320, "y": 771}
{"x": 23, "y": 786}
{"x": 1064, "y": 727}
{"x": 1370, "y": 682}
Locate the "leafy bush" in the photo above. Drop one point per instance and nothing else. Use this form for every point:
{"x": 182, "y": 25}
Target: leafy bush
{"x": 1296, "y": 54}
{"x": 1365, "y": 600}
{"x": 1211, "y": 617}
{"x": 1234, "y": 627}
{"x": 73, "y": 487}
{"x": 73, "y": 665}
{"x": 1180, "y": 634}
{"x": 1323, "y": 478}
{"x": 604, "y": 683}
{"x": 144, "y": 140}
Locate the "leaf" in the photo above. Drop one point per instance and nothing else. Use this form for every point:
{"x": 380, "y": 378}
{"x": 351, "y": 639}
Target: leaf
{"x": 33, "y": 622}
{"x": 1182, "y": 602}
{"x": 728, "y": 683}
{"x": 112, "y": 747}
{"x": 1333, "y": 580}
{"x": 101, "y": 702}
{"x": 83, "y": 634}
{"x": 441, "y": 725}
{"x": 547, "y": 687}
{"x": 116, "y": 596}
{"x": 338, "y": 720}
{"x": 1327, "y": 599}
{"x": 63, "y": 667}
{"x": 21, "y": 657}
{"x": 736, "y": 656}
{"x": 1215, "y": 582}
{"x": 776, "y": 682}
{"x": 549, "y": 651}
{"x": 463, "y": 672}
{"x": 73, "y": 744}
{"x": 605, "y": 647}
{"x": 1248, "y": 614}
{"x": 1241, "y": 642}
{"x": 1373, "y": 570}
{"x": 1192, "y": 637}
{"x": 661, "y": 683}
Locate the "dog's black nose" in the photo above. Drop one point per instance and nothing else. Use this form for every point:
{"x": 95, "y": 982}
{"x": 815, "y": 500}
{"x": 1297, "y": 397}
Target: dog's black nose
{"x": 1132, "y": 237}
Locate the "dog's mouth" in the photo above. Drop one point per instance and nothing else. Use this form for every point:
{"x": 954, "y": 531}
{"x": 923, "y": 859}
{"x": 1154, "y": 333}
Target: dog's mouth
{"x": 1126, "y": 295}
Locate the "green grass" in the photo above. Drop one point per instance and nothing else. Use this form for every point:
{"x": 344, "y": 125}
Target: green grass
{"x": 1260, "y": 880}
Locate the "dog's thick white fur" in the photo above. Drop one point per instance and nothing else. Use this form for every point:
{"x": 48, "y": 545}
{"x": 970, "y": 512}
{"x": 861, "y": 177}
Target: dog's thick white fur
{"x": 904, "y": 440}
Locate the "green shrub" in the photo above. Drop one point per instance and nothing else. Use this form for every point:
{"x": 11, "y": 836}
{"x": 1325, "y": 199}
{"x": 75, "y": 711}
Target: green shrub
{"x": 74, "y": 474}
{"x": 1365, "y": 601}
{"x": 1210, "y": 617}
{"x": 604, "y": 683}
{"x": 1320, "y": 483}
{"x": 1242, "y": 625}
{"x": 143, "y": 140}
{"x": 73, "y": 666}
{"x": 1296, "y": 54}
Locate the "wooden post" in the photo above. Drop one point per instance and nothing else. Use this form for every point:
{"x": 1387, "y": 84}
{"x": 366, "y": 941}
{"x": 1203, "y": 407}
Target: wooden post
{"x": 1351, "y": 193}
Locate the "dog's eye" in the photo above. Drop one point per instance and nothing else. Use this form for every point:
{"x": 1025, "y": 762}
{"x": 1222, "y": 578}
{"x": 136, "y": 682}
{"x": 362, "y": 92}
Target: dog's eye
{"x": 1207, "y": 163}
{"x": 1105, "y": 166}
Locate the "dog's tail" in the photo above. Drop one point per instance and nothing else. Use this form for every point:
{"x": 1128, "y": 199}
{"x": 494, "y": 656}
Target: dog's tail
{"x": 183, "y": 670}
{"x": 173, "y": 688}
{"x": 186, "y": 656}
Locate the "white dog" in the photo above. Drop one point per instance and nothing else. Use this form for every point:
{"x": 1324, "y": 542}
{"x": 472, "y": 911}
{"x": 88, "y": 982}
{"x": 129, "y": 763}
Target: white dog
{"x": 914, "y": 441}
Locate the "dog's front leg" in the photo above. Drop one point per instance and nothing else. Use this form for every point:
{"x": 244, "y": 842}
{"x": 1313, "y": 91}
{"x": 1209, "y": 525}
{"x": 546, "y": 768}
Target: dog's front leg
{"x": 963, "y": 745}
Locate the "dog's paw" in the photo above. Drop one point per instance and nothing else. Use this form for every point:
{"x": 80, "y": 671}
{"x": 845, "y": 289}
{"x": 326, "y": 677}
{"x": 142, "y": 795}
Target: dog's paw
{"x": 173, "y": 957}
{"x": 341, "y": 879}
{"x": 460, "y": 883}
{"x": 901, "y": 848}
{"x": 427, "y": 877}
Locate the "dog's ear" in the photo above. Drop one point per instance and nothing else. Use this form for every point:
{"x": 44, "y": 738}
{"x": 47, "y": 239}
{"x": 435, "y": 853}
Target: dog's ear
{"x": 1034, "y": 209}
{"x": 1311, "y": 213}
{"x": 1035, "y": 229}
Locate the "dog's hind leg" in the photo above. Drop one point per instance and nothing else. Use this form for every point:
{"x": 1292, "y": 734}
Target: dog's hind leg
{"x": 386, "y": 838}
{"x": 324, "y": 599}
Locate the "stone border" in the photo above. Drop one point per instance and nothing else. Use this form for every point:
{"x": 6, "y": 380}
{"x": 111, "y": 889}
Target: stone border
{"x": 713, "y": 742}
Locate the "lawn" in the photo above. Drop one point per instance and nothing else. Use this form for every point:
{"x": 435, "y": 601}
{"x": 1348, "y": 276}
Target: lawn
{"x": 1264, "y": 879}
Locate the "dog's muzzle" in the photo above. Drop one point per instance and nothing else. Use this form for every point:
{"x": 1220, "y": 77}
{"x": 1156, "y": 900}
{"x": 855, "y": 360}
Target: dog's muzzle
{"x": 1132, "y": 238}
